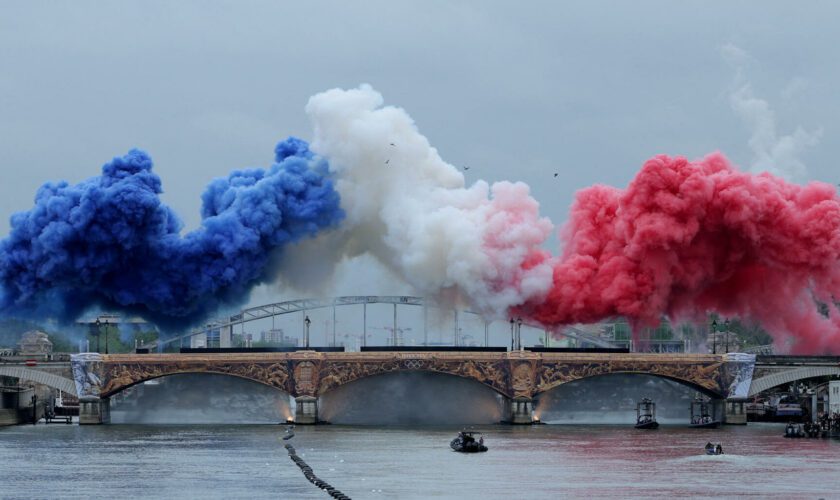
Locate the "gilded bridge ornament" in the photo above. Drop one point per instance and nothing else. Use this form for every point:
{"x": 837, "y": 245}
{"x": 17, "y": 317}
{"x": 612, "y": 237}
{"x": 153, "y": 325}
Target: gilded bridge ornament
{"x": 522, "y": 379}
{"x": 305, "y": 382}
{"x": 705, "y": 375}
{"x": 119, "y": 376}
{"x": 516, "y": 374}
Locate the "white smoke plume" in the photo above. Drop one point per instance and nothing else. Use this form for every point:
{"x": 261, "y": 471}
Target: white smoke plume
{"x": 779, "y": 155}
{"x": 414, "y": 213}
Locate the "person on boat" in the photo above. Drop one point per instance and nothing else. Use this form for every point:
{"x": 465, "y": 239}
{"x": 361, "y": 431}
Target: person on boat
{"x": 481, "y": 440}
{"x": 709, "y": 446}
{"x": 718, "y": 449}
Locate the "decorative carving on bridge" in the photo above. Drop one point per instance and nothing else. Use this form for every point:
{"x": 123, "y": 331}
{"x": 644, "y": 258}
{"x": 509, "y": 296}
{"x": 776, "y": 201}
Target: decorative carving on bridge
{"x": 492, "y": 372}
{"x": 119, "y": 376}
{"x": 306, "y": 378}
{"x": 336, "y": 373}
{"x": 515, "y": 374}
{"x": 704, "y": 374}
{"x": 522, "y": 378}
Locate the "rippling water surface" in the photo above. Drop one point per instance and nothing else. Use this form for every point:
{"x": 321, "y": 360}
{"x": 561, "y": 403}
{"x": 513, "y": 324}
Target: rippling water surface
{"x": 549, "y": 461}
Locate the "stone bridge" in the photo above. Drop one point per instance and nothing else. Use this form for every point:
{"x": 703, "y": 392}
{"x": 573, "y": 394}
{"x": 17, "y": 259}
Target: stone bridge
{"x": 57, "y": 375}
{"x": 518, "y": 376}
{"x": 773, "y": 371}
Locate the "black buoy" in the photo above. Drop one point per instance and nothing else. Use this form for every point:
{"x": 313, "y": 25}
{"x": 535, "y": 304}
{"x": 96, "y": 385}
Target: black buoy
{"x": 310, "y": 475}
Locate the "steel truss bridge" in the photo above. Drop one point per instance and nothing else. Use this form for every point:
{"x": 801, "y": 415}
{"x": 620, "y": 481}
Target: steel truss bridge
{"x": 303, "y": 305}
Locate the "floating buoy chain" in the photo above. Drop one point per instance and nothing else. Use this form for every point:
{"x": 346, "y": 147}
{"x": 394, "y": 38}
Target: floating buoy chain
{"x": 311, "y": 477}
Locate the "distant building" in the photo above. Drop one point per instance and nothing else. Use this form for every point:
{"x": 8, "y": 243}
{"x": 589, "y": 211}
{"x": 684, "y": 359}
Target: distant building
{"x": 276, "y": 336}
{"x": 34, "y": 342}
{"x": 662, "y": 338}
{"x": 834, "y": 396}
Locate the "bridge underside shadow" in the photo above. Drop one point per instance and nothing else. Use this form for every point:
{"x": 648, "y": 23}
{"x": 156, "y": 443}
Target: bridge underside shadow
{"x": 612, "y": 398}
{"x": 200, "y": 398}
{"x": 412, "y": 398}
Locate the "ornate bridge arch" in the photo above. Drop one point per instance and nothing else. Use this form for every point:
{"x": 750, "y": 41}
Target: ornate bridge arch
{"x": 785, "y": 377}
{"x": 703, "y": 373}
{"x": 490, "y": 372}
{"x": 121, "y": 376}
{"x": 39, "y": 377}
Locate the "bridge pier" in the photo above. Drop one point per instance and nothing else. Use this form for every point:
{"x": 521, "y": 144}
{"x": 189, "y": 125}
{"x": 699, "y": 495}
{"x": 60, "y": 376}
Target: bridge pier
{"x": 94, "y": 411}
{"x": 306, "y": 410}
{"x": 517, "y": 411}
{"x": 735, "y": 411}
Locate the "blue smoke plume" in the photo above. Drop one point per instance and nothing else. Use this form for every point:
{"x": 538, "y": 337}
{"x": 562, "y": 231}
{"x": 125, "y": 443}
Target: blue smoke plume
{"x": 110, "y": 242}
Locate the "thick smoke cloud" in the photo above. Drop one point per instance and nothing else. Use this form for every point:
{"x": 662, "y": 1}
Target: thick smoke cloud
{"x": 687, "y": 237}
{"x": 110, "y": 242}
{"x": 414, "y": 213}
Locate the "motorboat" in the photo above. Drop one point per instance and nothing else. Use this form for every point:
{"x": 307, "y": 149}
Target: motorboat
{"x": 794, "y": 431}
{"x": 812, "y": 429}
{"x": 466, "y": 442}
{"x": 713, "y": 449}
{"x": 700, "y": 416}
{"x": 646, "y": 414}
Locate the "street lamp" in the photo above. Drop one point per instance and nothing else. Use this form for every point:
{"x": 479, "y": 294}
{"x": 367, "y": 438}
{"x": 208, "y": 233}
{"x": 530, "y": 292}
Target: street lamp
{"x": 511, "y": 334}
{"x": 306, "y": 321}
{"x": 714, "y": 336}
{"x": 98, "y": 334}
{"x": 106, "y": 336}
{"x": 726, "y": 338}
{"x": 519, "y": 333}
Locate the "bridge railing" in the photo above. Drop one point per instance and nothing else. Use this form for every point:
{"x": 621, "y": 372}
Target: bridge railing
{"x": 302, "y": 305}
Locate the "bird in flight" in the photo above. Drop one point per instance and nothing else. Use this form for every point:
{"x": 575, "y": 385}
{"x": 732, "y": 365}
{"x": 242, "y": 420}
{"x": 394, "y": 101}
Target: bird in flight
{"x": 556, "y": 174}
{"x": 466, "y": 168}
{"x": 392, "y": 144}
{"x": 387, "y": 161}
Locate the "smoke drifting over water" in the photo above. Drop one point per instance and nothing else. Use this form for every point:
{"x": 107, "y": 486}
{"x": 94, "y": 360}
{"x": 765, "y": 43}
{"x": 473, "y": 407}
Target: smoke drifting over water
{"x": 201, "y": 399}
{"x": 612, "y": 399}
{"x": 412, "y": 398}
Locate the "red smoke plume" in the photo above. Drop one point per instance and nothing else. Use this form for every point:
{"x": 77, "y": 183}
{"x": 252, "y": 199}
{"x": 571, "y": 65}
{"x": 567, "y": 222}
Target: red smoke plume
{"x": 686, "y": 238}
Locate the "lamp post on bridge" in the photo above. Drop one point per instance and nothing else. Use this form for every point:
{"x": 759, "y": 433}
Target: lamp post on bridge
{"x": 512, "y": 335}
{"x": 519, "y": 333}
{"x": 714, "y": 336}
{"x": 306, "y": 323}
{"x": 106, "y": 336}
{"x": 98, "y": 334}
{"x": 726, "y": 338}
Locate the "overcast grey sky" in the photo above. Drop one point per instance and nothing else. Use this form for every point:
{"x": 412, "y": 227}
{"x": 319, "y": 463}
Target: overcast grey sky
{"x": 515, "y": 90}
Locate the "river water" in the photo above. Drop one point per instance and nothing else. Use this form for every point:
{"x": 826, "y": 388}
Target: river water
{"x": 548, "y": 461}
